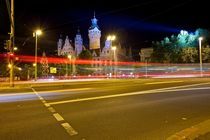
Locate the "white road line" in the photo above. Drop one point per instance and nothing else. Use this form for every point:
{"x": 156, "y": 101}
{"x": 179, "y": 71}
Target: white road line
{"x": 58, "y": 117}
{"x": 47, "y": 105}
{"x": 43, "y": 101}
{"x": 51, "y": 109}
{"x": 167, "y": 82}
{"x": 69, "y": 129}
{"x": 127, "y": 94}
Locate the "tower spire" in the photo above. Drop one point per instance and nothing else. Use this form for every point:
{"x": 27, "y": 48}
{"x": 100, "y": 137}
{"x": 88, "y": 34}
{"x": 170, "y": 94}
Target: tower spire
{"x": 94, "y": 14}
{"x": 78, "y": 30}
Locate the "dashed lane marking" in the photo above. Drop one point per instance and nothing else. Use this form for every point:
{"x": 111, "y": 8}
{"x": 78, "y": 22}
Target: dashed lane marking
{"x": 58, "y": 117}
{"x": 47, "y": 105}
{"x": 69, "y": 129}
{"x": 51, "y": 109}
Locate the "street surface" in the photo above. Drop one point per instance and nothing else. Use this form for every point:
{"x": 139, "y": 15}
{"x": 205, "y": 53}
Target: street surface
{"x": 128, "y": 109}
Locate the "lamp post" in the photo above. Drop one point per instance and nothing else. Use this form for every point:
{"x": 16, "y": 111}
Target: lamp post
{"x": 200, "y": 54}
{"x": 115, "y": 60}
{"x": 111, "y": 38}
{"x": 36, "y": 34}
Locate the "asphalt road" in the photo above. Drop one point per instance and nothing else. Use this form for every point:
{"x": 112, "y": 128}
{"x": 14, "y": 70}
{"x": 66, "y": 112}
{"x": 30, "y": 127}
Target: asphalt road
{"x": 134, "y": 109}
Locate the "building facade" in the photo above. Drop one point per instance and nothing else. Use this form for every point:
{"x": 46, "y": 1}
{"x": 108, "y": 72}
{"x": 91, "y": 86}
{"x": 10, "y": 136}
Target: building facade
{"x": 103, "y": 57}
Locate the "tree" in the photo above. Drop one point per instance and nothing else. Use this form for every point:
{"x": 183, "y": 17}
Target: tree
{"x": 206, "y": 54}
{"x": 85, "y": 55}
{"x": 83, "y": 69}
{"x": 181, "y": 48}
{"x": 189, "y": 54}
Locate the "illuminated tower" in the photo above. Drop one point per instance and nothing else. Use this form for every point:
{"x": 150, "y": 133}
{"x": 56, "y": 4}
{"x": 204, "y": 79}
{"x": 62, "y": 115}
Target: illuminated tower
{"x": 94, "y": 35}
{"x": 78, "y": 43}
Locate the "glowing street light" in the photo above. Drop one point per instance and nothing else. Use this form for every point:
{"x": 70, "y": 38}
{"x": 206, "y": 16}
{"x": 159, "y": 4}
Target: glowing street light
{"x": 200, "y": 54}
{"x": 36, "y": 34}
{"x": 111, "y": 37}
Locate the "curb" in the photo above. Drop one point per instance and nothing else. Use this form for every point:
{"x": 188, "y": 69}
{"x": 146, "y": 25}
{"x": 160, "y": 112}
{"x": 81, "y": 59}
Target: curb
{"x": 192, "y": 132}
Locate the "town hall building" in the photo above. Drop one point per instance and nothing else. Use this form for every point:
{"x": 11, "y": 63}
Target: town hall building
{"x": 103, "y": 55}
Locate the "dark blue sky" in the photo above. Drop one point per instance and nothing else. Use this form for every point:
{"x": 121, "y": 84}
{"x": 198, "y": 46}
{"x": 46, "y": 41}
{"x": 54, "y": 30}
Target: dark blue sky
{"x": 134, "y": 23}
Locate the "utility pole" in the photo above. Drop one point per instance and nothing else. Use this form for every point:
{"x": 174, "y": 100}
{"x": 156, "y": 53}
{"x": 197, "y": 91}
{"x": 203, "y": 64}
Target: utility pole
{"x": 12, "y": 44}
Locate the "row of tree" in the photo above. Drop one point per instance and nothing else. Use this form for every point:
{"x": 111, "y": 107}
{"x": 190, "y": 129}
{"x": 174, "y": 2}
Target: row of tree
{"x": 183, "y": 48}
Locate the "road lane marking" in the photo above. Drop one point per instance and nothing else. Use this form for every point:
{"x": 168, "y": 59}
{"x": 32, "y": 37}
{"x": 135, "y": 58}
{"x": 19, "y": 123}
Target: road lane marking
{"x": 47, "y": 105}
{"x": 126, "y": 94}
{"x": 58, "y": 117}
{"x": 167, "y": 82}
{"x": 51, "y": 109}
{"x": 43, "y": 101}
{"x": 69, "y": 129}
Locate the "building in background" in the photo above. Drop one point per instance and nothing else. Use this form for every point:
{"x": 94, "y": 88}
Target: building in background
{"x": 103, "y": 57}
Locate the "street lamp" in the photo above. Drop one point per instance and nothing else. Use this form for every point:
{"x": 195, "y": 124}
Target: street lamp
{"x": 115, "y": 59}
{"x": 111, "y": 38}
{"x": 200, "y": 54}
{"x": 36, "y": 34}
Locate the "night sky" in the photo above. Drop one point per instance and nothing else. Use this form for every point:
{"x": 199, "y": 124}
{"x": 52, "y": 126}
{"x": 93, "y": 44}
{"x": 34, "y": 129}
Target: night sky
{"x": 135, "y": 23}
